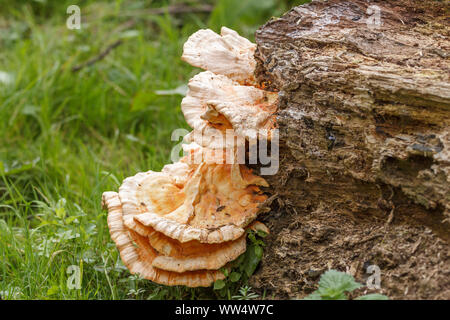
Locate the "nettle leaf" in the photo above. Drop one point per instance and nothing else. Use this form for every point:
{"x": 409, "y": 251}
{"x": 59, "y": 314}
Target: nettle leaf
{"x": 333, "y": 285}
{"x": 313, "y": 296}
{"x": 373, "y": 296}
{"x": 331, "y": 294}
{"x": 333, "y": 280}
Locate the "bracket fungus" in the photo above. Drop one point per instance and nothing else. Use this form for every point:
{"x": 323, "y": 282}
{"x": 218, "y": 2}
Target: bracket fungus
{"x": 137, "y": 254}
{"x": 213, "y": 205}
{"x": 228, "y": 54}
{"x": 182, "y": 225}
{"x": 215, "y": 103}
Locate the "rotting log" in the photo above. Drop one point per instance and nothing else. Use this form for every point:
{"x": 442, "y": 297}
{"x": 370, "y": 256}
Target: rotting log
{"x": 364, "y": 120}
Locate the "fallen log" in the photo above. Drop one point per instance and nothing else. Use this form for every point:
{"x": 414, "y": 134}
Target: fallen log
{"x": 364, "y": 120}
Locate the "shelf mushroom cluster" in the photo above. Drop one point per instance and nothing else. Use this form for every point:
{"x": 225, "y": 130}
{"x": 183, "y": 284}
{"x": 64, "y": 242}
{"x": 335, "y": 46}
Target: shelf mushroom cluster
{"x": 182, "y": 225}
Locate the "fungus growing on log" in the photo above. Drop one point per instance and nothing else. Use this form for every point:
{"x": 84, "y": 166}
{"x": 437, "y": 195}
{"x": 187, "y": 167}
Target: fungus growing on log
{"x": 187, "y": 217}
{"x": 213, "y": 205}
{"x": 228, "y": 54}
{"x": 137, "y": 254}
{"x": 181, "y": 225}
{"x": 215, "y": 103}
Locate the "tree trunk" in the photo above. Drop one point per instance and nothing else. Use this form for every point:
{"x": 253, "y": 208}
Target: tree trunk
{"x": 364, "y": 145}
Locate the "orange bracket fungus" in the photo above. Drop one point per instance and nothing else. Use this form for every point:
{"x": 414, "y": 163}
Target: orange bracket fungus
{"x": 182, "y": 225}
{"x": 215, "y": 103}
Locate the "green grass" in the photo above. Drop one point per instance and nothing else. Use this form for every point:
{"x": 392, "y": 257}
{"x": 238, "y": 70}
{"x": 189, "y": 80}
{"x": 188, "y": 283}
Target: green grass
{"x": 67, "y": 137}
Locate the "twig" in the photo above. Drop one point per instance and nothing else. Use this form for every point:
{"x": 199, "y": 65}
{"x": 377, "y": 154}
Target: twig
{"x": 416, "y": 245}
{"x": 370, "y": 238}
{"x": 176, "y": 9}
{"x": 97, "y": 58}
{"x": 390, "y": 217}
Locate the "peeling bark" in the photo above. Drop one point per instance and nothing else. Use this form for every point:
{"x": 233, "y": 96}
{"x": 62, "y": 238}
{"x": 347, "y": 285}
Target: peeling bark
{"x": 364, "y": 119}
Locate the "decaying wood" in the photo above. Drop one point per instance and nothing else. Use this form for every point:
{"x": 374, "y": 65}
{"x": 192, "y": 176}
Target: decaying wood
{"x": 364, "y": 119}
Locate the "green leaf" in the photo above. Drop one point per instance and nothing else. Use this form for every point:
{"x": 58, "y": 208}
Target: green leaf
{"x": 331, "y": 294}
{"x": 333, "y": 285}
{"x": 335, "y": 281}
{"x": 373, "y": 296}
{"x": 223, "y": 292}
{"x": 261, "y": 234}
{"x": 259, "y": 252}
{"x": 71, "y": 219}
{"x": 60, "y": 212}
{"x": 52, "y": 290}
{"x": 224, "y": 271}
{"x": 235, "y": 276}
{"x": 313, "y": 296}
{"x": 219, "y": 284}
{"x": 251, "y": 236}
{"x": 252, "y": 259}
{"x": 239, "y": 260}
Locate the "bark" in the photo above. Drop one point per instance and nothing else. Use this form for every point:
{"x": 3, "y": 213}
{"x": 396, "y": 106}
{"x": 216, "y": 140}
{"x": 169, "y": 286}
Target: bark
{"x": 364, "y": 144}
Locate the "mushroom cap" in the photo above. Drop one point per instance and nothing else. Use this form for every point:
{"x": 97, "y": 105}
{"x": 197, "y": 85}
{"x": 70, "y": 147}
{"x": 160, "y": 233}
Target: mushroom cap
{"x": 179, "y": 171}
{"x": 227, "y": 54}
{"x": 185, "y": 233}
{"x": 215, "y": 103}
{"x": 138, "y": 255}
{"x": 206, "y": 256}
{"x": 192, "y": 255}
{"x": 214, "y": 205}
{"x": 173, "y": 248}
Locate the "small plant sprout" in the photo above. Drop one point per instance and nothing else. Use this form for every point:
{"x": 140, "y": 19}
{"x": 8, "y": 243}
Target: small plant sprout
{"x": 246, "y": 293}
{"x": 334, "y": 285}
{"x": 243, "y": 267}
